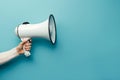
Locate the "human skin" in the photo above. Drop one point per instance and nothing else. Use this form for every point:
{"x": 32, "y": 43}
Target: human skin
{"x": 10, "y": 54}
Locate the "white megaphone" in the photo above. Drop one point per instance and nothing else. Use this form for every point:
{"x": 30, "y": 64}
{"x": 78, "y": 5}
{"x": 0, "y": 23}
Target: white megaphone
{"x": 46, "y": 29}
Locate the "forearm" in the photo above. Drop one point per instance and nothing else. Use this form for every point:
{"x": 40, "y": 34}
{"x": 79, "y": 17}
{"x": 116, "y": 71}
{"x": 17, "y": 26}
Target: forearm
{"x": 8, "y": 55}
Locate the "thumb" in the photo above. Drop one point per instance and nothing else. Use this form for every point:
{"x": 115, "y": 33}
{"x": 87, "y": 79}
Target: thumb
{"x": 23, "y": 42}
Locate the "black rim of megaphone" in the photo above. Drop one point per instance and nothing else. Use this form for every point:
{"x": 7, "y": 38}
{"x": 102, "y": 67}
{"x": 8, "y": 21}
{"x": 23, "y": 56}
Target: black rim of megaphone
{"x": 51, "y": 16}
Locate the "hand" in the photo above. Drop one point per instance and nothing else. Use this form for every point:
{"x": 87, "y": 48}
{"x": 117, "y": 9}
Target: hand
{"x": 26, "y": 44}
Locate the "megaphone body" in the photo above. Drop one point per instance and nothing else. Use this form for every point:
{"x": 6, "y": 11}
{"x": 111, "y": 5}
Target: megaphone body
{"x": 45, "y": 29}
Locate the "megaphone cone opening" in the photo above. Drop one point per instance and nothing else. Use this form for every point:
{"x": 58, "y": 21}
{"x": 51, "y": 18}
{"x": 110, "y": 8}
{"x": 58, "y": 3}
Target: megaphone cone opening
{"x": 52, "y": 29}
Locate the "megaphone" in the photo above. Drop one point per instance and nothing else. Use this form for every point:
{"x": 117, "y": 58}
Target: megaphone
{"x": 45, "y": 29}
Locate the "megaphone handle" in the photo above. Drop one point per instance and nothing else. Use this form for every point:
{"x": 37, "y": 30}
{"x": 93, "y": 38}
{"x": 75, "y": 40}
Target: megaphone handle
{"x": 26, "y": 53}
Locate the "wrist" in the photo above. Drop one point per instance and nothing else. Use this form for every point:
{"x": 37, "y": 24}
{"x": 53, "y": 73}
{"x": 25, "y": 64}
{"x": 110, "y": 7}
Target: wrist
{"x": 18, "y": 50}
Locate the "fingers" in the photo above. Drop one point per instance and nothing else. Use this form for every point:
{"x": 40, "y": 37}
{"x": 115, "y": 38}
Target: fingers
{"x": 26, "y": 41}
{"x": 23, "y": 42}
{"x": 28, "y": 48}
{"x": 28, "y": 45}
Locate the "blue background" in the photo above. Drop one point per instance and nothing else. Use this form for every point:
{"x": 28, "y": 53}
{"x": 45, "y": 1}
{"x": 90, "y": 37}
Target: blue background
{"x": 88, "y": 42}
